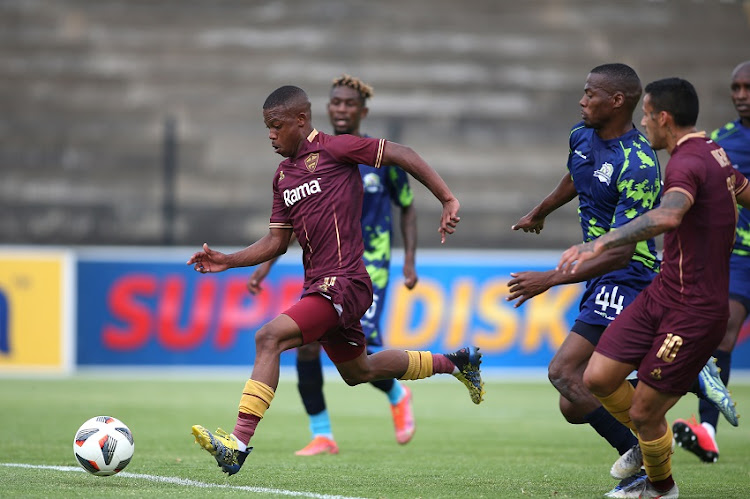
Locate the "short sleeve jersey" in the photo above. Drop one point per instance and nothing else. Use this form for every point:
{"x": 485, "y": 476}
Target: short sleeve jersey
{"x": 695, "y": 271}
{"x": 616, "y": 181}
{"x": 383, "y": 187}
{"x": 735, "y": 140}
{"x": 318, "y": 194}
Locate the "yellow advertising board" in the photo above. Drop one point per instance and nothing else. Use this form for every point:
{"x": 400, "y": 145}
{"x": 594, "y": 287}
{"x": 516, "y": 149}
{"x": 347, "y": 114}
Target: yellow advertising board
{"x": 36, "y": 296}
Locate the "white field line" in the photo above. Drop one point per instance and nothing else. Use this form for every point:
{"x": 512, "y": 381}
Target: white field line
{"x": 186, "y": 482}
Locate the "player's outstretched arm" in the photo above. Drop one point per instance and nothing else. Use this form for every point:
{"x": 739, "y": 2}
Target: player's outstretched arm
{"x": 409, "y": 236}
{"x": 526, "y": 285}
{"x": 407, "y": 159}
{"x": 533, "y": 221}
{"x": 667, "y": 216}
{"x": 271, "y": 245}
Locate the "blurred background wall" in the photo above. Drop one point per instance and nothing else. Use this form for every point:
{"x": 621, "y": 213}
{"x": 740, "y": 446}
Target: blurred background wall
{"x": 139, "y": 122}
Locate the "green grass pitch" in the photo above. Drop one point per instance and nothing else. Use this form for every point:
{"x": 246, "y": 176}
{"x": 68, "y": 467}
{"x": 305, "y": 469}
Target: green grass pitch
{"x": 515, "y": 444}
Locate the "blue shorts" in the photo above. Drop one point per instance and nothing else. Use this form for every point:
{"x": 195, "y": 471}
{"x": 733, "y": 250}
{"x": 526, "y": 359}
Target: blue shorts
{"x": 371, "y": 320}
{"x": 739, "y": 280}
{"x": 604, "y": 299}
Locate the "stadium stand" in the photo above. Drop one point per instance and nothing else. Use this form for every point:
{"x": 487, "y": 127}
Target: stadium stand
{"x": 486, "y": 91}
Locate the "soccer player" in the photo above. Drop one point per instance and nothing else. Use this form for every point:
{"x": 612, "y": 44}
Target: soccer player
{"x": 734, "y": 138}
{"x": 669, "y": 331}
{"x": 615, "y": 175}
{"x": 347, "y": 107}
{"x": 317, "y": 194}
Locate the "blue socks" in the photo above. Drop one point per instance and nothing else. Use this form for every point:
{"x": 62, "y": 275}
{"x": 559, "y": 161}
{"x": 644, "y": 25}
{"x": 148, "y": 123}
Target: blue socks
{"x": 320, "y": 424}
{"x": 397, "y": 393}
{"x": 618, "y": 435}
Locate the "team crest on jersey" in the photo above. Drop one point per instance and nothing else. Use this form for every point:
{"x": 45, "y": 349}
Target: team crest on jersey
{"x": 656, "y": 374}
{"x": 604, "y": 174}
{"x": 281, "y": 175}
{"x": 311, "y": 162}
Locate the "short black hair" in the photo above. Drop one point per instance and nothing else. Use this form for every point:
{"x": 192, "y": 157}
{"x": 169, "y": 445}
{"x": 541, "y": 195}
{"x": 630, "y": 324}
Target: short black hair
{"x": 287, "y": 96}
{"x": 677, "y": 97}
{"x": 622, "y": 78}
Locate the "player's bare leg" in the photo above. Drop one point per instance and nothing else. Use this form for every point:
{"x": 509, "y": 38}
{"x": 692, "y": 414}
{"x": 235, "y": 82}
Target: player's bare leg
{"x": 231, "y": 450}
{"x": 577, "y": 404}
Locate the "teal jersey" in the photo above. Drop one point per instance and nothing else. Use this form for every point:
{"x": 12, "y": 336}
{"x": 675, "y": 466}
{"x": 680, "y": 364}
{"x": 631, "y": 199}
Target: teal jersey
{"x": 616, "y": 180}
{"x": 735, "y": 140}
{"x": 384, "y": 187}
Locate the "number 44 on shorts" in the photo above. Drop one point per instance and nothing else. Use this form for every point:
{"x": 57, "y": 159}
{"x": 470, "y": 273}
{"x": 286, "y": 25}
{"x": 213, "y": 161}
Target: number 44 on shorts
{"x": 606, "y": 300}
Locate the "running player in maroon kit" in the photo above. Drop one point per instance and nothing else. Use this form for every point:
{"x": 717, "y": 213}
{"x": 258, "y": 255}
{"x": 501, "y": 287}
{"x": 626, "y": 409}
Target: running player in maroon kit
{"x": 673, "y": 326}
{"x": 317, "y": 194}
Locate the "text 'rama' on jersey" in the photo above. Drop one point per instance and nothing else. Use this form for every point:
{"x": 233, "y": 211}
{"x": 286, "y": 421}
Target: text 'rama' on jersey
{"x": 325, "y": 163}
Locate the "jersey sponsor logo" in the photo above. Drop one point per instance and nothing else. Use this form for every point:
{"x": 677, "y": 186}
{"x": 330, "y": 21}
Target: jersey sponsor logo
{"x": 291, "y": 196}
{"x": 579, "y": 153}
{"x": 604, "y": 174}
{"x": 311, "y": 162}
{"x": 371, "y": 183}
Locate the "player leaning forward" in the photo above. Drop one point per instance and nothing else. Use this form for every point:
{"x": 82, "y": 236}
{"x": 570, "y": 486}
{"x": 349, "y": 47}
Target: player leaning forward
{"x": 317, "y": 193}
{"x": 670, "y": 330}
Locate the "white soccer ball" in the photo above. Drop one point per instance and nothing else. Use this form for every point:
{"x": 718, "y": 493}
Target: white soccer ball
{"x": 103, "y": 446}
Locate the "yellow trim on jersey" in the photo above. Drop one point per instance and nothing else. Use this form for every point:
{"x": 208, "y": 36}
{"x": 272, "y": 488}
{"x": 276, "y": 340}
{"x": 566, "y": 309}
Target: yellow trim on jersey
{"x": 279, "y": 225}
{"x": 312, "y": 135}
{"x": 693, "y": 135}
{"x": 379, "y": 157}
{"x": 682, "y": 191}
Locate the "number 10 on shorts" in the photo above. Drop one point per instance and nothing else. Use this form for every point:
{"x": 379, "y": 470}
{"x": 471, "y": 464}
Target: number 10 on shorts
{"x": 606, "y": 300}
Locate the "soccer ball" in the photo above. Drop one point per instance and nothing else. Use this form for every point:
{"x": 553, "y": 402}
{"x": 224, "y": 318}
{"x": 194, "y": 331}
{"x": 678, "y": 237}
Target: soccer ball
{"x": 103, "y": 446}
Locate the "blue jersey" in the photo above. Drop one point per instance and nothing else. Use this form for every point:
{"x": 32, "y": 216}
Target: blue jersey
{"x": 735, "y": 140}
{"x": 616, "y": 181}
{"x": 383, "y": 187}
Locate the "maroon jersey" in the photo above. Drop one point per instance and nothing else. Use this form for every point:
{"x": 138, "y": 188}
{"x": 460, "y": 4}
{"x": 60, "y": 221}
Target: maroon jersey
{"x": 318, "y": 193}
{"x": 695, "y": 267}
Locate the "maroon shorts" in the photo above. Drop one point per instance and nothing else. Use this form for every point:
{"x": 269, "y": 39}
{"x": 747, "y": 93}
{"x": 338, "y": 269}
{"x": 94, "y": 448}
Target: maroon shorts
{"x": 329, "y": 312}
{"x": 669, "y": 345}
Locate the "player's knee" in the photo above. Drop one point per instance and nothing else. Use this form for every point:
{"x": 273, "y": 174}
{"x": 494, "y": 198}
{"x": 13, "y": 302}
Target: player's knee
{"x": 596, "y": 384}
{"x": 640, "y": 416}
{"x": 560, "y": 376}
{"x": 267, "y": 339}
